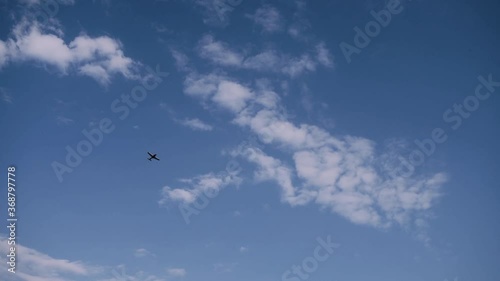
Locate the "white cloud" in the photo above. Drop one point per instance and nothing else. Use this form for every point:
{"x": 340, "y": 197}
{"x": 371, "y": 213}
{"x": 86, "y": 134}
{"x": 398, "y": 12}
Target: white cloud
{"x": 232, "y": 96}
{"x": 62, "y": 120}
{"x": 306, "y": 99}
{"x": 181, "y": 60}
{"x": 323, "y": 55}
{"x": 243, "y": 249}
{"x": 4, "y": 54}
{"x": 36, "y": 266}
{"x": 268, "y": 18}
{"x": 177, "y": 194}
{"x": 268, "y": 60}
{"x": 99, "y": 57}
{"x": 196, "y": 124}
{"x": 294, "y": 31}
{"x": 270, "y": 168}
{"x": 202, "y": 86}
{"x": 141, "y": 253}
{"x": 216, "y": 11}
{"x": 199, "y": 185}
{"x": 31, "y": 44}
{"x": 160, "y": 28}
{"x": 38, "y": 2}
{"x": 218, "y": 52}
{"x": 297, "y": 66}
{"x": 341, "y": 173}
{"x": 120, "y": 274}
{"x": 5, "y": 96}
{"x": 217, "y": 89}
{"x": 298, "y": 29}
{"x": 95, "y": 71}
{"x": 176, "y": 272}
{"x": 225, "y": 267}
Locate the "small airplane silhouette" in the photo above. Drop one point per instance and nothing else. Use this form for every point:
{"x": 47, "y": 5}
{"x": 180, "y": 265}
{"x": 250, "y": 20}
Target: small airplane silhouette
{"x": 153, "y": 156}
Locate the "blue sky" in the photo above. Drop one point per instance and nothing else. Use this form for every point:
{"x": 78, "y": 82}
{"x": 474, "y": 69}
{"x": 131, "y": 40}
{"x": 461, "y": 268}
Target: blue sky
{"x": 325, "y": 140}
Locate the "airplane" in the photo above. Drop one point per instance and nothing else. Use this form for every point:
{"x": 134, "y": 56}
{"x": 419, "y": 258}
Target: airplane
{"x": 153, "y": 156}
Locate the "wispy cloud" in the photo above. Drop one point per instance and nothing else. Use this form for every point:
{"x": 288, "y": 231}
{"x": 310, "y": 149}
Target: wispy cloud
{"x": 62, "y": 109}
{"x": 218, "y": 52}
{"x": 269, "y": 60}
{"x": 197, "y": 186}
{"x": 181, "y": 60}
{"x": 224, "y": 267}
{"x": 300, "y": 25}
{"x": 160, "y": 28}
{"x": 268, "y": 18}
{"x": 141, "y": 253}
{"x": 196, "y": 124}
{"x": 39, "y": 266}
{"x": 38, "y": 2}
{"x": 120, "y": 274}
{"x": 323, "y": 55}
{"x": 64, "y": 121}
{"x": 176, "y": 272}
{"x": 216, "y": 12}
{"x": 5, "y": 96}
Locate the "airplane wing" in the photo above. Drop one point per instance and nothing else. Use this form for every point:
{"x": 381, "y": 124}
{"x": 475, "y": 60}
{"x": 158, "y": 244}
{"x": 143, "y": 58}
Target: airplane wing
{"x": 150, "y": 154}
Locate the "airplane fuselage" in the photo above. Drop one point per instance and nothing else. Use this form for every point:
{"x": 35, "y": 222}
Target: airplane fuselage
{"x": 153, "y": 156}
